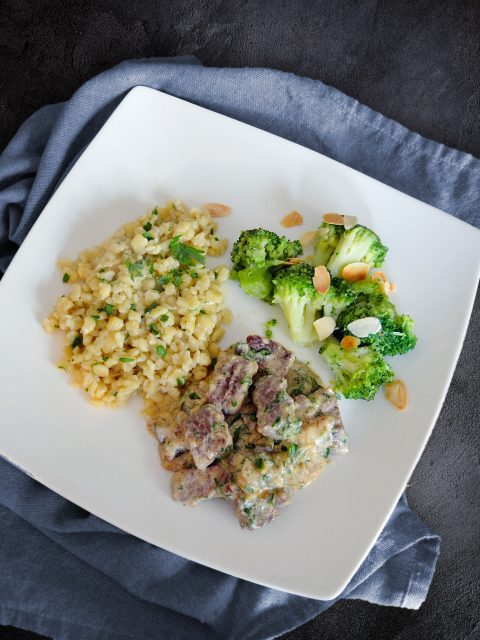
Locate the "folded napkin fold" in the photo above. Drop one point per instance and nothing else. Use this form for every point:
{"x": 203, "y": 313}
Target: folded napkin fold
{"x": 66, "y": 573}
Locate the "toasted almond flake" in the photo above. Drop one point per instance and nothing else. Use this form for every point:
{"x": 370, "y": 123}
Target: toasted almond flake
{"x": 307, "y": 238}
{"x": 321, "y": 279}
{"x": 294, "y": 261}
{"x": 217, "y": 210}
{"x": 379, "y": 275}
{"x": 349, "y": 222}
{"x": 292, "y": 219}
{"x": 387, "y": 287}
{"x": 324, "y": 327}
{"x": 396, "y": 393}
{"x": 349, "y": 342}
{"x": 364, "y": 327}
{"x": 355, "y": 271}
{"x": 333, "y": 218}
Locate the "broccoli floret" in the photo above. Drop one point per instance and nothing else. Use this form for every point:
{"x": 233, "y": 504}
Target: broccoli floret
{"x": 328, "y": 236}
{"x": 358, "y": 373}
{"x": 359, "y": 244}
{"x": 254, "y": 255}
{"x": 299, "y": 300}
{"x": 396, "y": 335}
{"x": 339, "y": 296}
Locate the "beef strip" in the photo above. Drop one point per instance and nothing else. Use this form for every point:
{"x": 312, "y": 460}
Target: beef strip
{"x": 301, "y": 380}
{"x": 271, "y": 357}
{"x": 275, "y": 408}
{"x": 320, "y": 402}
{"x": 191, "y": 486}
{"x": 339, "y": 441}
{"x": 254, "y": 513}
{"x": 230, "y": 382}
{"x": 207, "y": 435}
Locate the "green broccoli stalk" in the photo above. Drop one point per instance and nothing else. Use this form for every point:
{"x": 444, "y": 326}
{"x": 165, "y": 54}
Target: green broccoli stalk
{"x": 339, "y": 296}
{"x": 299, "y": 300}
{"x": 328, "y": 236}
{"x": 396, "y": 335}
{"x": 254, "y": 255}
{"x": 359, "y": 244}
{"x": 358, "y": 373}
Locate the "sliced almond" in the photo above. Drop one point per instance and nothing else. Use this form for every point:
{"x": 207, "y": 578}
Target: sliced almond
{"x": 349, "y": 222}
{"x": 294, "y": 261}
{"x": 292, "y": 219}
{"x": 396, "y": 393}
{"x": 379, "y": 275}
{"x": 217, "y": 210}
{"x": 324, "y": 327}
{"x": 355, "y": 271}
{"x": 321, "y": 279}
{"x": 387, "y": 287}
{"x": 349, "y": 342}
{"x": 307, "y": 238}
{"x": 333, "y": 218}
{"x": 364, "y": 327}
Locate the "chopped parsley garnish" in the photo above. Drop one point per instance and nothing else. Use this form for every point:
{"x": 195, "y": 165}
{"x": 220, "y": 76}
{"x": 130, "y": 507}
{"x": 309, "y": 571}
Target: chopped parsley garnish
{"x": 180, "y": 382}
{"x": 147, "y": 235}
{"x": 194, "y": 274}
{"x": 215, "y": 275}
{"x": 202, "y": 311}
{"x": 126, "y": 359}
{"x": 147, "y": 226}
{"x": 135, "y": 269}
{"x": 292, "y": 448}
{"x": 164, "y": 317}
{"x": 175, "y": 276}
{"x": 161, "y": 351}
{"x": 150, "y": 264}
{"x": 66, "y": 277}
{"x": 185, "y": 254}
{"x": 236, "y": 435}
{"x": 268, "y": 334}
{"x": 96, "y": 317}
{"x": 271, "y": 323}
{"x": 108, "y": 308}
{"x": 105, "y": 358}
{"x": 153, "y": 329}
{"x": 151, "y": 306}
{"x": 216, "y": 426}
{"x": 194, "y": 396}
{"x": 246, "y": 380}
{"x": 155, "y": 211}
{"x": 234, "y": 403}
{"x": 259, "y": 463}
{"x": 133, "y": 306}
{"x": 326, "y": 453}
{"x": 77, "y": 342}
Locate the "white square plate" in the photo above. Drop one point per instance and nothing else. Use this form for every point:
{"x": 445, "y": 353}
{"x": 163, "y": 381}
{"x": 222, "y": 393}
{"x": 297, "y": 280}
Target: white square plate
{"x": 155, "y": 147}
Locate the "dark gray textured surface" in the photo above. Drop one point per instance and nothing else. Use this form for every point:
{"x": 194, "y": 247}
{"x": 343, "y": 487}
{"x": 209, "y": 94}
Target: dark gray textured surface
{"x": 415, "y": 62}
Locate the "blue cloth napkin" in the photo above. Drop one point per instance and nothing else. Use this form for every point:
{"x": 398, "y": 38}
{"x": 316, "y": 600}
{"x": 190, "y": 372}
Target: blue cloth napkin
{"x": 66, "y": 573}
